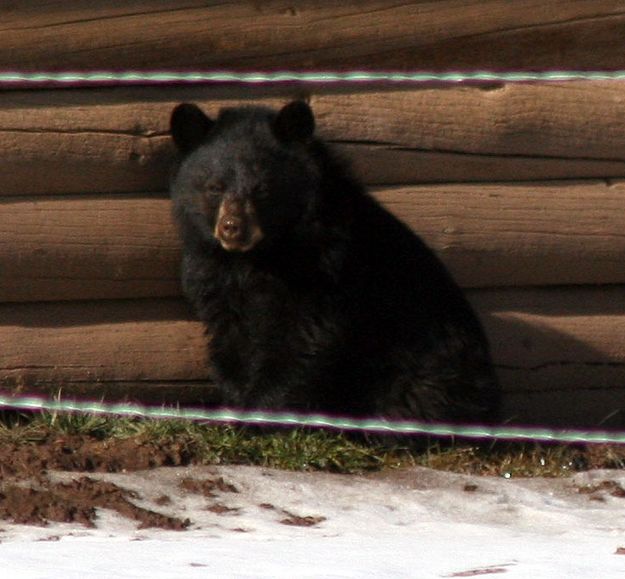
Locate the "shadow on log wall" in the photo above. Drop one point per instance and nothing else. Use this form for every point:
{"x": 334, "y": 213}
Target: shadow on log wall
{"x": 560, "y": 355}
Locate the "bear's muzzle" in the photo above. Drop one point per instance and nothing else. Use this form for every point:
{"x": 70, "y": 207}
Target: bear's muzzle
{"x": 237, "y": 227}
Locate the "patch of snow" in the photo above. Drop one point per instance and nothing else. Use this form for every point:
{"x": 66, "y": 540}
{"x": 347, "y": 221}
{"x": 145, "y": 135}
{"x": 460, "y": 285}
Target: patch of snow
{"x": 415, "y": 523}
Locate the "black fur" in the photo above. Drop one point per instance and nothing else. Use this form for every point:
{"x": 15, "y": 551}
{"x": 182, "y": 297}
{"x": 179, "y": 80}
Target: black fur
{"x": 339, "y": 307}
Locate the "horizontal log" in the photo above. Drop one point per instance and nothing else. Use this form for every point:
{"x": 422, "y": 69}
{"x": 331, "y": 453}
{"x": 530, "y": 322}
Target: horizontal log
{"x": 123, "y": 246}
{"x": 101, "y": 342}
{"x": 116, "y": 140}
{"x": 82, "y": 248}
{"x": 559, "y": 352}
{"x": 519, "y": 234}
{"x": 437, "y": 35}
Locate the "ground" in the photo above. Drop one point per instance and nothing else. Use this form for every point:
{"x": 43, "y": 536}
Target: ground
{"x": 136, "y": 508}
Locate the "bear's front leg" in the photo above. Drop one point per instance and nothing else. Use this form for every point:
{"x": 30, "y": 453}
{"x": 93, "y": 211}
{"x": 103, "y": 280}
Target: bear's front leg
{"x": 283, "y": 380}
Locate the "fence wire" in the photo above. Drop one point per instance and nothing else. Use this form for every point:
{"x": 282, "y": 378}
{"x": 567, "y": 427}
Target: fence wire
{"x": 373, "y": 425}
{"x": 107, "y": 77}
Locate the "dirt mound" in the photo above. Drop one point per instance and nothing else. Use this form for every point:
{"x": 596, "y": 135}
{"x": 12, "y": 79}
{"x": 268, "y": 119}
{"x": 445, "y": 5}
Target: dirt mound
{"x": 76, "y": 502}
{"x": 28, "y": 496}
{"x": 87, "y": 454}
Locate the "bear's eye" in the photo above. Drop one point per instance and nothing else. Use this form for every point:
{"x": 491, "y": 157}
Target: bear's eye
{"x": 205, "y": 185}
{"x": 260, "y": 192}
{"x": 198, "y": 183}
{"x": 215, "y": 188}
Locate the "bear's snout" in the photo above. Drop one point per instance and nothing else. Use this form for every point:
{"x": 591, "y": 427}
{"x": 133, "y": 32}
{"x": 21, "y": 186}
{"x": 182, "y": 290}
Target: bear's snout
{"x": 231, "y": 228}
{"x": 237, "y": 227}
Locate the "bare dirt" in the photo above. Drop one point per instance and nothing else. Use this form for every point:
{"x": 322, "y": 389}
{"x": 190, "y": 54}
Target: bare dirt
{"x": 70, "y": 479}
{"x": 76, "y": 502}
{"x": 28, "y": 495}
{"x": 88, "y": 454}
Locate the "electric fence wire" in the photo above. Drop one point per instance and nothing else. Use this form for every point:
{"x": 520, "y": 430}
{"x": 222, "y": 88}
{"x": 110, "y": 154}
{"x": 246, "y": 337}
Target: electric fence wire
{"x": 16, "y": 78}
{"x": 224, "y": 415}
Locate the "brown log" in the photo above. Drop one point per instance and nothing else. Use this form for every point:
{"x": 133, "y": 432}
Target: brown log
{"x": 116, "y": 140}
{"x": 116, "y": 246}
{"x": 559, "y": 352}
{"x": 519, "y": 234}
{"x": 81, "y": 248}
{"x": 101, "y": 342}
{"x": 438, "y": 35}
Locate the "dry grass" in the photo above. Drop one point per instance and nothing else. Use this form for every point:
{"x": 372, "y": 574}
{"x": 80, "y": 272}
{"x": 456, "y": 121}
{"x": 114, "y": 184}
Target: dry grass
{"x": 298, "y": 449}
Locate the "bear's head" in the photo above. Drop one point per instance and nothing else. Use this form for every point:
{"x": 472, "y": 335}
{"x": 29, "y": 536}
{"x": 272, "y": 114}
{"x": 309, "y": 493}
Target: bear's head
{"x": 246, "y": 177}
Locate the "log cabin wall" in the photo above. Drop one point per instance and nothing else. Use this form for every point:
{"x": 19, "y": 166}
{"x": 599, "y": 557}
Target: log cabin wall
{"x": 520, "y": 188}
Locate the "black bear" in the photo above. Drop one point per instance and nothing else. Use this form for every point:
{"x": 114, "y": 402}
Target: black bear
{"x": 314, "y": 296}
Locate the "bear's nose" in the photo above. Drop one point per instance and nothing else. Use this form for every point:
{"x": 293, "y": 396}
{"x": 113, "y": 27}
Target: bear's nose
{"x": 231, "y": 227}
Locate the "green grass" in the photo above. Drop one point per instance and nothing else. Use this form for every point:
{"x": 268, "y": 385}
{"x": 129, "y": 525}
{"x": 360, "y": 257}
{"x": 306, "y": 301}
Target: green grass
{"x": 298, "y": 449}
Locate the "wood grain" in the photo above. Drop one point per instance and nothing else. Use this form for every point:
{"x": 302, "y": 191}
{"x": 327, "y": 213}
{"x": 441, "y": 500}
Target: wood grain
{"x": 101, "y": 342}
{"x": 82, "y": 248}
{"x": 559, "y": 352}
{"x": 437, "y": 35}
{"x": 123, "y": 246}
{"x": 115, "y": 140}
{"x": 519, "y": 234}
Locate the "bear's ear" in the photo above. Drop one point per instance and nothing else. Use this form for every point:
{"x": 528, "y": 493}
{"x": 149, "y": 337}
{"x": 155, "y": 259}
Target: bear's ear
{"x": 295, "y": 122}
{"x": 189, "y": 127}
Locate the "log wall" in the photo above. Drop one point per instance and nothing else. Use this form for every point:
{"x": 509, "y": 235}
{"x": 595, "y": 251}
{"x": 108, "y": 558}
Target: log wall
{"x": 520, "y": 188}
{"x": 321, "y": 34}
{"x": 116, "y": 246}
{"x": 115, "y": 140}
{"x": 564, "y": 345}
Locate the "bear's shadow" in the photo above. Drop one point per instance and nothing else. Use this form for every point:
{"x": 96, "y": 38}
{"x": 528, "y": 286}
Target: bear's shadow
{"x": 578, "y": 387}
